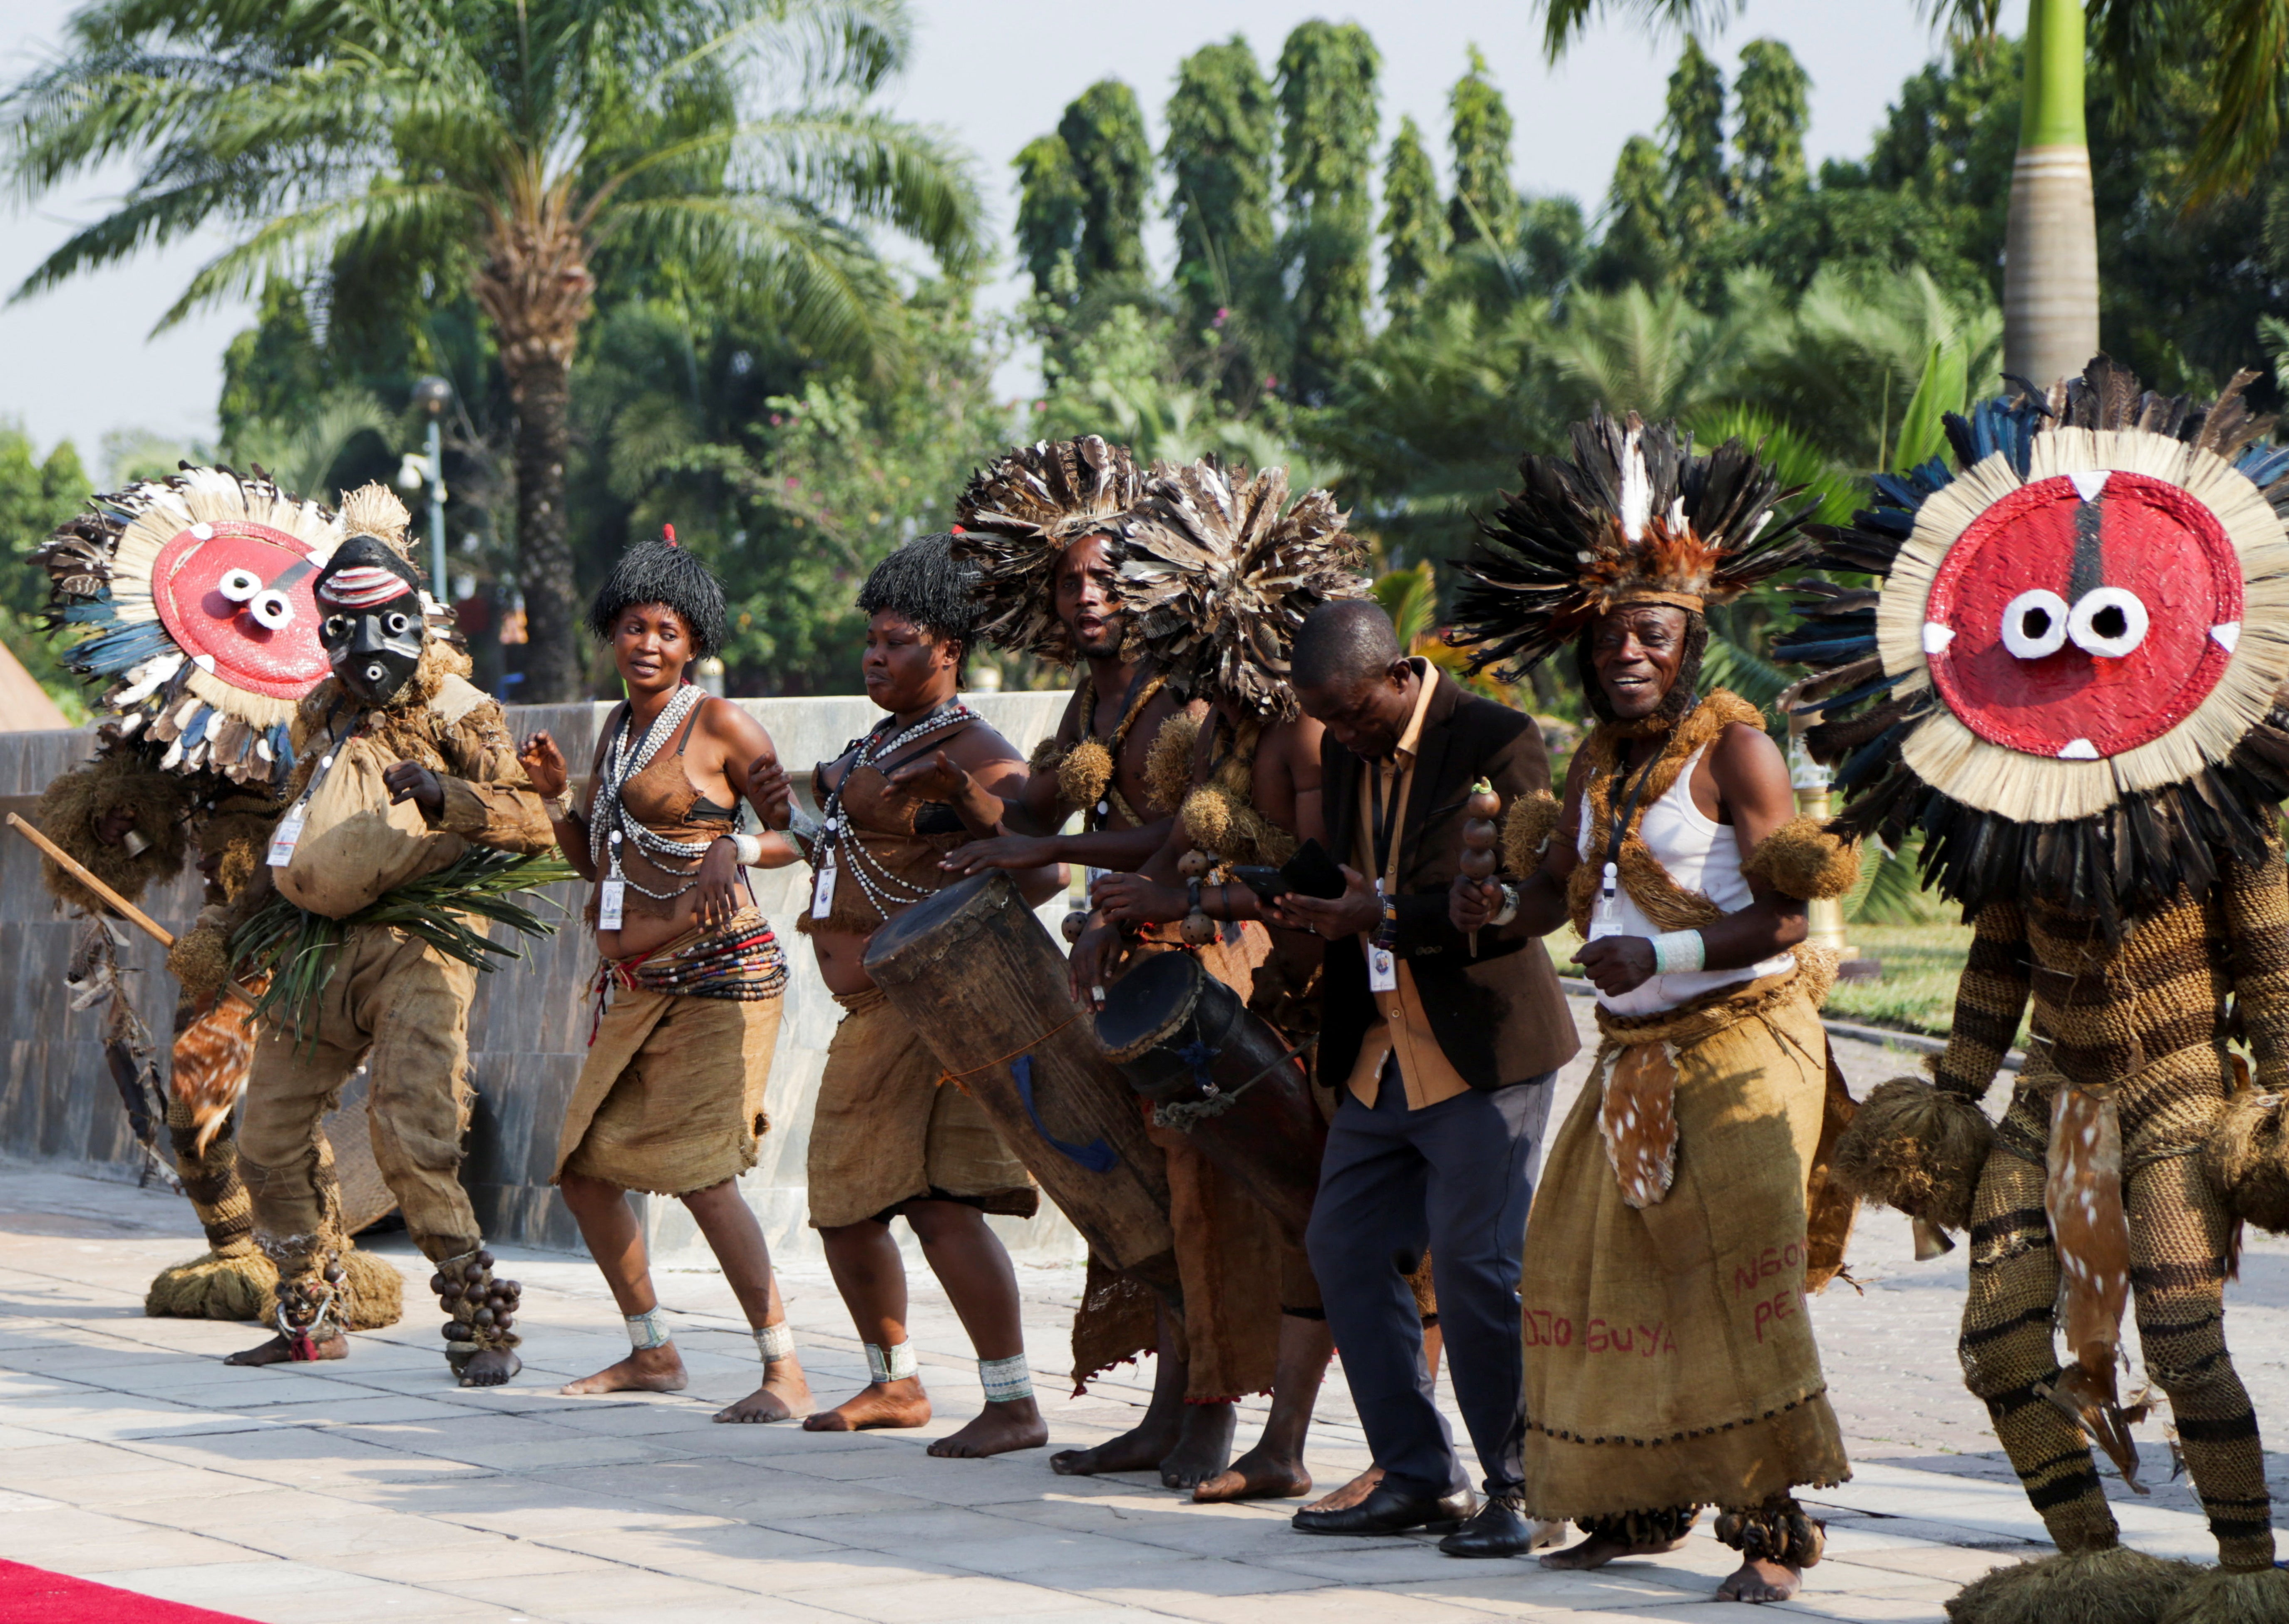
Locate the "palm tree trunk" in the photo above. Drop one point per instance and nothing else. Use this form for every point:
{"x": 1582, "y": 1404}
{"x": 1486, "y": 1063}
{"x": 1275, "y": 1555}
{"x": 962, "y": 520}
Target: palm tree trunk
{"x": 542, "y": 388}
{"x": 2049, "y": 253}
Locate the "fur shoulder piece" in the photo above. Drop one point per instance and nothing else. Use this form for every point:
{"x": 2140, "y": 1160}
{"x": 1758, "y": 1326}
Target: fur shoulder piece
{"x": 1168, "y": 762}
{"x": 1914, "y": 1147}
{"x": 1526, "y": 831}
{"x": 1803, "y": 860}
{"x": 153, "y": 802}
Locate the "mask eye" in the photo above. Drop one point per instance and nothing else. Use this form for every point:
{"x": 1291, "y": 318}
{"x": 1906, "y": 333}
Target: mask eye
{"x": 336, "y": 628}
{"x": 271, "y": 610}
{"x": 395, "y": 624}
{"x": 239, "y": 585}
{"x": 2108, "y": 622}
{"x": 2035, "y": 624}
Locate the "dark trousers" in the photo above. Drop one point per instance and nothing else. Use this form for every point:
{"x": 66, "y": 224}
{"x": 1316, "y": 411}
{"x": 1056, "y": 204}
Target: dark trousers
{"x": 1457, "y": 1177}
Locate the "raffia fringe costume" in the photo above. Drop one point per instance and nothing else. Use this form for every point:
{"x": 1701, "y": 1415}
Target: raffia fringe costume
{"x": 200, "y": 699}
{"x": 2068, "y": 685}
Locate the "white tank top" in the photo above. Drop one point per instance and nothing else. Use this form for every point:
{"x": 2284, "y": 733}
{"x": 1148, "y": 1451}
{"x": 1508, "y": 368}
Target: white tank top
{"x": 1701, "y": 854}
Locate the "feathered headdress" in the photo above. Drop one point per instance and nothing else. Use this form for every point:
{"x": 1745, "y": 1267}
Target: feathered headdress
{"x": 1633, "y": 516}
{"x": 2068, "y": 673}
{"x": 1221, "y": 572}
{"x": 197, "y": 590}
{"x": 1019, "y": 515}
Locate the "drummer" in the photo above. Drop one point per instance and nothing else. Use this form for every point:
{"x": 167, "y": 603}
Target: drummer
{"x": 1202, "y": 551}
{"x": 1040, "y": 522}
{"x": 886, "y": 1139}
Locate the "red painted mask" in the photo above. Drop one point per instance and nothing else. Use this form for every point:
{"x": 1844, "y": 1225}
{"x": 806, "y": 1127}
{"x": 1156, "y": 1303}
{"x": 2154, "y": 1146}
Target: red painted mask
{"x": 236, "y": 597}
{"x": 2083, "y": 615}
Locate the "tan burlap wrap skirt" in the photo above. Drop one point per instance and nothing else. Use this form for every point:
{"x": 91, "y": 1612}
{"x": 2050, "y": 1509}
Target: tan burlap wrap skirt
{"x": 670, "y": 1099}
{"x": 1669, "y": 1359}
{"x": 886, "y": 1132}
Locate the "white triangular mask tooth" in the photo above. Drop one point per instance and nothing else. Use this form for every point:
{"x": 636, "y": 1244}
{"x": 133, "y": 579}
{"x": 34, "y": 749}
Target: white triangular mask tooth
{"x": 2226, "y": 634}
{"x": 1936, "y": 637}
{"x": 2079, "y": 750}
{"x": 2089, "y": 484}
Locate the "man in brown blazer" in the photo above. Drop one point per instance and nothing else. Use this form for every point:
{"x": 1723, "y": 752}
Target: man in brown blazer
{"x": 1444, "y": 1057}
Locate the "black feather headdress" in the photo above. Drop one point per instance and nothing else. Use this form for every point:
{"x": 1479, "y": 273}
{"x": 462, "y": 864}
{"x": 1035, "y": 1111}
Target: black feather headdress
{"x": 1221, "y": 570}
{"x": 2068, "y": 672}
{"x": 1633, "y": 516}
{"x": 1016, "y": 519}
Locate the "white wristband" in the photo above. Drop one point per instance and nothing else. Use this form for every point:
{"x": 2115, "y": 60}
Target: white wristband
{"x": 1679, "y": 951}
{"x": 1510, "y": 905}
{"x": 748, "y": 848}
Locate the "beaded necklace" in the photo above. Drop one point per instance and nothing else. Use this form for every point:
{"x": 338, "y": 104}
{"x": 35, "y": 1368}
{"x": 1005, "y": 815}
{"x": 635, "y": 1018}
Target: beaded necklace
{"x": 609, "y": 821}
{"x": 882, "y": 888}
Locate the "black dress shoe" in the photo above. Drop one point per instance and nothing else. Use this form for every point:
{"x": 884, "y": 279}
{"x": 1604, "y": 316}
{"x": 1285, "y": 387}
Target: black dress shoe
{"x": 1390, "y": 1511}
{"x": 1501, "y": 1528}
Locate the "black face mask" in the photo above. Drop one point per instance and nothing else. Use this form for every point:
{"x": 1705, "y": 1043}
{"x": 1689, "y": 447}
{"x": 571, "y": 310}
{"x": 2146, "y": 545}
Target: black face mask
{"x": 374, "y": 651}
{"x": 374, "y": 648}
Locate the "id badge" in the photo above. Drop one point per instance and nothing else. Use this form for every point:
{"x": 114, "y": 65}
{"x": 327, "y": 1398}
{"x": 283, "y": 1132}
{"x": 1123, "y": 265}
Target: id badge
{"x": 1382, "y": 970}
{"x": 610, "y": 897}
{"x": 289, "y": 831}
{"x": 822, "y": 899}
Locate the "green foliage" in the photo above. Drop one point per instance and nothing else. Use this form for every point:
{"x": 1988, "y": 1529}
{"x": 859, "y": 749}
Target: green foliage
{"x": 1329, "y": 108}
{"x": 1768, "y": 139}
{"x": 1218, "y": 155}
{"x": 1104, "y": 133}
{"x": 1638, "y": 248}
{"x": 1486, "y": 204}
{"x": 1944, "y": 388}
{"x": 1051, "y": 207}
{"x": 36, "y": 495}
{"x": 1415, "y": 228}
{"x": 1693, "y": 137}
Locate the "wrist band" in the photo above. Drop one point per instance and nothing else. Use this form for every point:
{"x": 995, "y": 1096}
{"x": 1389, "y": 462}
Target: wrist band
{"x": 1678, "y": 951}
{"x": 747, "y": 849}
{"x": 887, "y": 1365}
{"x": 777, "y": 1343}
{"x": 560, "y": 805}
{"x": 648, "y": 1330}
{"x": 1192, "y": 896}
{"x": 1005, "y": 1381}
{"x": 1510, "y": 905}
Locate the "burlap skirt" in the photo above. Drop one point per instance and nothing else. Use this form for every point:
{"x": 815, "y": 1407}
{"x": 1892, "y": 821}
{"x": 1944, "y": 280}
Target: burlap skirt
{"x": 1669, "y": 1359}
{"x": 885, "y": 1131}
{"x": 670, "y": 1099}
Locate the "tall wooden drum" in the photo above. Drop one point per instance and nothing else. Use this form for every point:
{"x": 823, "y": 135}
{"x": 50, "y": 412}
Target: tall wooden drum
{"x": 978, "y": 978}
{"x": 1223, "y": 1075}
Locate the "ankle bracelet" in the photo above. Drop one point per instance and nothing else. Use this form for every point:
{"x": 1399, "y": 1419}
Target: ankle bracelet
{"x": 648, "y": 1330}
{"x": 887, "y": 1365}
{"x": 1005, "y": 1380}
{"x": 777, "y": 1343}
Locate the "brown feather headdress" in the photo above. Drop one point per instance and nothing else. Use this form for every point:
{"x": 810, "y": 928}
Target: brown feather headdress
{"x": 1221, "y": 572}
{"x": 1633, "y": 516}
{"x": 1019, "y": 516}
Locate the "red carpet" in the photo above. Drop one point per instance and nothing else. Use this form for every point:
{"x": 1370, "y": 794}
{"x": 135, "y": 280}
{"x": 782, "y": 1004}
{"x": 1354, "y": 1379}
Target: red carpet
{"x": 32, "y": 1595}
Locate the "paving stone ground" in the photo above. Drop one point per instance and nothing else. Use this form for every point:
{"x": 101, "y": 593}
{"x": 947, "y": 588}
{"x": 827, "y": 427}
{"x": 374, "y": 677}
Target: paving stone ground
{"x": 374, "y": 1489}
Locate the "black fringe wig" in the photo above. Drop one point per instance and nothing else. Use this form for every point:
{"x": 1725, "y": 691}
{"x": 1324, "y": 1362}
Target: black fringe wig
{"x": 661, "y": 572}
{"x": 923, "y": 582}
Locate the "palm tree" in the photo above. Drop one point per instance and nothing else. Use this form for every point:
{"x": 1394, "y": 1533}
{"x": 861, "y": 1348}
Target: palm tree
{"x": 2050, "y": 272}
{"x": 516, "y": 151}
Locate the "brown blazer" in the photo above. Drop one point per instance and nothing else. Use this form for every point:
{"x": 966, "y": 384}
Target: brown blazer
{"x": 1500, "y": 1017}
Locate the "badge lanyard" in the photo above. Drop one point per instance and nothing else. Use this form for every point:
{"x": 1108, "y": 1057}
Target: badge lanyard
{"x": 1605, "y": 918}
{"x": 1383, "y": 821}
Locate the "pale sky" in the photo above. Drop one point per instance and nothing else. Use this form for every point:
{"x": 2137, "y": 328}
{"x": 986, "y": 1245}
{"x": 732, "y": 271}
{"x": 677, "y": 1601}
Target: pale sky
{"x": 82, "y": 362}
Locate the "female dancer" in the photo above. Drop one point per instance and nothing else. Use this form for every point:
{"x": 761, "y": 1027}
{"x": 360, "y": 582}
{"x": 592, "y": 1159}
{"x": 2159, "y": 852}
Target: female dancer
{"x": 671, "y": 1098}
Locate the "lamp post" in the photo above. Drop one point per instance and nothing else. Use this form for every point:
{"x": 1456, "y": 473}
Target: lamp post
{"x": 432, "y": 396}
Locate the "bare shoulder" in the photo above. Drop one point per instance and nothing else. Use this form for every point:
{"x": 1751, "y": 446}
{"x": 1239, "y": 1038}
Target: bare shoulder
{"x": 1745, "y": 747}
{"x": 981, "y": 744}
{"x": 727, "y": 721}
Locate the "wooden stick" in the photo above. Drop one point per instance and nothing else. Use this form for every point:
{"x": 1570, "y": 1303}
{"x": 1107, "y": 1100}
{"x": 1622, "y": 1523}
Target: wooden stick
{"x": 78, "y": 871}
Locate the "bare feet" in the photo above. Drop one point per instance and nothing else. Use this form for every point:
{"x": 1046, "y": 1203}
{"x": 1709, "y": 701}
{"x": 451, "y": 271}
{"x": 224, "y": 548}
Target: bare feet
{"x": 645, "y": 1370}
{"x": 1596, "y": 1550}
{"x": 1203, "y": 1445}
{"x": 1260, "y": 1474}
{"x": 1759, "y": 1581}
{"x": 1140, "y": 1448}
{"x": 785, "y": 1393}
{"x": 999, "y": 1427}
{"x": 877, "y": 1404}
{"x": 490, "y": 1368}
{"x": 1356, "y": 1490}
{"x": 278, "y": 1350}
